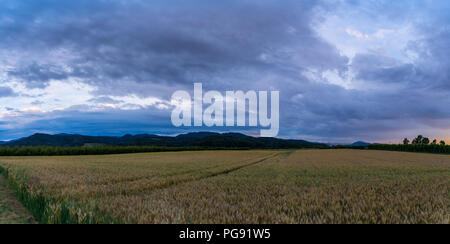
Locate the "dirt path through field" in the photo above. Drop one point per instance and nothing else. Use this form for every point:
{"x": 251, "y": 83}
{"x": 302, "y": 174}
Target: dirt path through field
{"x": 11, "y": 210}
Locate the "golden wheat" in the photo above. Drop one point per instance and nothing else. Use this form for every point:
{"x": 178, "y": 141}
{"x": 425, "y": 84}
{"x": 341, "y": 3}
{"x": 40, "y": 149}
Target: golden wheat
{"x": 305, "y": 186}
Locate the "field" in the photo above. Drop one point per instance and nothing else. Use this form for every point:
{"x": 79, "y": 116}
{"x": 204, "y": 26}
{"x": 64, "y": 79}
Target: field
{"x": 11, "y": 210}
{"x": 284, "y": 186}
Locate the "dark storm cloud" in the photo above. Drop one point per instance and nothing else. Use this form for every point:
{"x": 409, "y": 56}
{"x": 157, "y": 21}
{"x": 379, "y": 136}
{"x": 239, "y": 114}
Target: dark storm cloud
{"x": 430, "y": 71}
{"x": 434, "y": 61}
{"x": 372, "y": 67}
{"x": 170, "y": 42}
{"x": 431, "y": 67}
{"x": 38, "y": 76}
{"x": 152, "y": 48}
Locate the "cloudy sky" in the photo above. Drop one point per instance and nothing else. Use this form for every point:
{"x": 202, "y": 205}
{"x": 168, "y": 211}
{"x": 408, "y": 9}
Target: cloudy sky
{"x": 347, "y": 70}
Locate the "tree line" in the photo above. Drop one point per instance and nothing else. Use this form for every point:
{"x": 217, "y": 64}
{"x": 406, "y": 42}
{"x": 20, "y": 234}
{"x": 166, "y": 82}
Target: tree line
{"x": 425, "y": 148}
{"x": 421, "y": 140}
{"x": 97, "y": 150}
{"x": 418, "y": 144}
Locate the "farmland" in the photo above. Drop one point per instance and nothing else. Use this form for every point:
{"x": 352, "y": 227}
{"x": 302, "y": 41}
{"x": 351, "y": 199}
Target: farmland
{"x": 266, "y": 186}
{"x": 11, "y": 210}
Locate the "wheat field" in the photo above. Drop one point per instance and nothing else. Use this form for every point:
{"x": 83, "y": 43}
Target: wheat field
{"x": 239, "y": 187}
{"x": 11, "y": 210}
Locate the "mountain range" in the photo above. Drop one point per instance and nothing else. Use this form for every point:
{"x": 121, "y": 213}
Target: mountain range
{"x": 200, "y": 139}
{"x": 360, "y": 143}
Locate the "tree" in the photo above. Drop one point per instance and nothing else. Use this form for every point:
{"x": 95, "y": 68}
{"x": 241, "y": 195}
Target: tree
{"x": 405, "y": 141}
{"x": 442, "y": 143}
{"x": 418, "y": 140}
{"x": 434, "y": 142}
{"x": 425, "y": 141}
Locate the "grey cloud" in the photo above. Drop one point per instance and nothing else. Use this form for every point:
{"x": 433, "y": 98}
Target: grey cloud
{"x": 38, "y": 76}
{"x": 7, "y": 92}
{"x": 433, "y": 52}
{"x": 164, "y": 43}
{"x": 104, "y": 99}
{"x": 371, "y": 67}
{"x": 154, "y": 48}
{"x": 37, "y": 102}
{"x": 430, "y": 71}
{"x": 329, "y": 111}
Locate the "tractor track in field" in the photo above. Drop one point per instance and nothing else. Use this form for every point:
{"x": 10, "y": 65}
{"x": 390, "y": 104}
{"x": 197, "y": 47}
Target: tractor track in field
{"x": 177, "y": 182}
{"x": 224, "y": 172}
{"x": 185, "y": 181}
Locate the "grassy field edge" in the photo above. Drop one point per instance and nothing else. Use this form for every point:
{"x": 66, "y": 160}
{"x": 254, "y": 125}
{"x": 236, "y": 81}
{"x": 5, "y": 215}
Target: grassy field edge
{"x": 12, "y": 210}
{"x": 48, "y": 210}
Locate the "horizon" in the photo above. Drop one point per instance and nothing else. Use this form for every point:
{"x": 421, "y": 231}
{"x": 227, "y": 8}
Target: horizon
{"x": 346, "y": 71}
{"x": 229, "y": 132}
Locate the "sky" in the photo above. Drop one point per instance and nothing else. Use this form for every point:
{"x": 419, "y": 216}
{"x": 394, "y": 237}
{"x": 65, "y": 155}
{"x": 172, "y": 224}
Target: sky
{"x": 347, "y": 70}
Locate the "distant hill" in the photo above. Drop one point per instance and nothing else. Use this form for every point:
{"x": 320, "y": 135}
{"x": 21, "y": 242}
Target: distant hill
{"x": 196, "y": 135}
{"x": 360, "y": 143}
{"x": 200, "y": 139}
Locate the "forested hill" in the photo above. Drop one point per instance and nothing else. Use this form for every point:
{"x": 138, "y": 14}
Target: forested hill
{"x": 200, "y": 139}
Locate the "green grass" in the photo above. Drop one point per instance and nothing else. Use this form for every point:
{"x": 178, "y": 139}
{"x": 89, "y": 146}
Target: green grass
{"x": 11, "y": 210}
